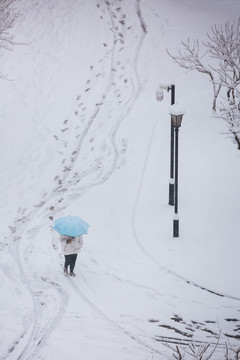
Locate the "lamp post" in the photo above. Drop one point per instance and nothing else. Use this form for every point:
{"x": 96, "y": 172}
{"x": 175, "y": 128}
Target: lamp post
{"x": 159, "y": 96}
{"x": 176, "y": 113}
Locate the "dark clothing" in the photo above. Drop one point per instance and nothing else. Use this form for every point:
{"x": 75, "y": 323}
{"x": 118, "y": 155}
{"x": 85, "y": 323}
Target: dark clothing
{"x": 70, "y": 260}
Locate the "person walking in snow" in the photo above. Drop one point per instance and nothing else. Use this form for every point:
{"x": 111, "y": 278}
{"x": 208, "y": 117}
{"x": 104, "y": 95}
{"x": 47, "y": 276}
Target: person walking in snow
{"x": 71, "y": 246}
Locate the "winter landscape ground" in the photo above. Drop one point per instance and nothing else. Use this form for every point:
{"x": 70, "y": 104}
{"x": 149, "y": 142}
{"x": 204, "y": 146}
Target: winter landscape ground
{"x": 83, "y": 134}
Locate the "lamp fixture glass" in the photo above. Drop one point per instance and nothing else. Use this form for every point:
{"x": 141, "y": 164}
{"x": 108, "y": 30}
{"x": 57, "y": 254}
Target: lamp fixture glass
{"x": 176, "y": 120}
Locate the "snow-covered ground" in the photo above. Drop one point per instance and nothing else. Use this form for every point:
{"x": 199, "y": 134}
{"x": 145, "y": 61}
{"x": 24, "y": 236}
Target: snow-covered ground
{"x": 82, "y": 133}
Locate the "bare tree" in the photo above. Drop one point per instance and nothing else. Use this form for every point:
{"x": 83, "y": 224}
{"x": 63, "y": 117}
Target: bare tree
{"x": 219, "y": 58}
{"x": 224, "y": 46}
{"x": 8, "y": 17}
{"x": 192, "y": 59}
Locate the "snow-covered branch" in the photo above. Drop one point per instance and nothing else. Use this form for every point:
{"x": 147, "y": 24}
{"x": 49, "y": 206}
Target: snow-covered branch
{"x": 220, "y": 60}
{"x": 8, "y": 17}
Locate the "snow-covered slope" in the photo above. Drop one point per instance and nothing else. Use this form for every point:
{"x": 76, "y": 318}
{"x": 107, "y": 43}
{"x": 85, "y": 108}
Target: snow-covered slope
{"x": 83, "y": 134}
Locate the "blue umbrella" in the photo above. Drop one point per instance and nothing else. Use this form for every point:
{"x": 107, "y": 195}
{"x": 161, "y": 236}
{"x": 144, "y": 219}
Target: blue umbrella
{"x": 71, "y": 225}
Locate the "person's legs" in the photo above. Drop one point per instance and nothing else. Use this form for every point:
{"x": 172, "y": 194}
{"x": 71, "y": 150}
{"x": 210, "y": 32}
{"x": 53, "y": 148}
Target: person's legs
{"x": 67, "y": 262}
{"x": 73, "y": 262}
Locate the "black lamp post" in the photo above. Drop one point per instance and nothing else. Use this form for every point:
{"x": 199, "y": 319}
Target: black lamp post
{"x": 176, "y": 120}
{"x": 171, "y": 180}
{"x": 159, "y": 96}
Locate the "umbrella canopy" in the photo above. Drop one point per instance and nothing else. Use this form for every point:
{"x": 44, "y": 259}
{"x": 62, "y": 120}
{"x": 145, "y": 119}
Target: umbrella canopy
{"x": 71, "y": 225}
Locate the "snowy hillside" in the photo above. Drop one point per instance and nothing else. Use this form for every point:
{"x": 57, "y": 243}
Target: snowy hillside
{"x": 83, "y": 134}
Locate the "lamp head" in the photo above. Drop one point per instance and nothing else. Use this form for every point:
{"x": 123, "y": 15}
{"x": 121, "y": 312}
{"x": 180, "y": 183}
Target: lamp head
{"x": 176, "y": 113}
{"x": 159, "y": 94}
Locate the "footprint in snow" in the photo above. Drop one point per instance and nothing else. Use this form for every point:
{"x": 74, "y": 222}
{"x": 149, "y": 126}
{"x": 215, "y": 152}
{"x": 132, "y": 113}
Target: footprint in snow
{"x": 66, "y": 168}
{"x": 12, "y": 229}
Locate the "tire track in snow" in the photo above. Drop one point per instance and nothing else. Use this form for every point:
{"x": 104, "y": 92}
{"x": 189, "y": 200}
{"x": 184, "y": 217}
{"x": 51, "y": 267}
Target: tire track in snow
{"x": 143, "y": 248}
{"x": 114, "y": 324}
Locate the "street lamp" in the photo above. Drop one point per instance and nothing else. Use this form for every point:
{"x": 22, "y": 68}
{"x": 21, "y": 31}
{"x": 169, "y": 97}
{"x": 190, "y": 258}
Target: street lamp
{"x": 159, "y": 96}
{"x": 176, "y": 113}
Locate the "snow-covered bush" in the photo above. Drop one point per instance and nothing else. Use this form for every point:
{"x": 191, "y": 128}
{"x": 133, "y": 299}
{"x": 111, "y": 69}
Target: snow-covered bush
{"x": 203, "y": 351}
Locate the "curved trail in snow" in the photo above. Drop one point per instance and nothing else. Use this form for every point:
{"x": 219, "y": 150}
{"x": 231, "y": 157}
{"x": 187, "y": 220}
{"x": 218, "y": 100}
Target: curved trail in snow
{"x": 141, "y": 245}
{"x": 39, "y": 329}
{"x": 114, "y": 324}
